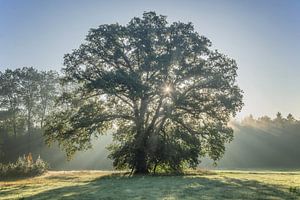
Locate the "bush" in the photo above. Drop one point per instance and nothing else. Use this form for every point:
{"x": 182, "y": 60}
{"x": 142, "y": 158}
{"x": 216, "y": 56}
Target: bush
{"x": 25, "y": 166}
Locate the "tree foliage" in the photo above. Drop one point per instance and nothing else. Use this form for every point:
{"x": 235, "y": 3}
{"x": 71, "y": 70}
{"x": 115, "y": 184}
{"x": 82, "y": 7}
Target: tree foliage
{"x": 161, "y": 90}
{"x": 26, "y": 95}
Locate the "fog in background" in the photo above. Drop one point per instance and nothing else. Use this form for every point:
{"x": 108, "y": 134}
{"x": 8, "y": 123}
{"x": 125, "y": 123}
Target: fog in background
{"x": 264, "y": 143}
{"x": 256, "y": 145}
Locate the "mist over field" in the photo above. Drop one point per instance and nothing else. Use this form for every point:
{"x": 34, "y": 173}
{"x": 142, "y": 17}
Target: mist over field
{"x": 260, "y": 145}
{"x": 257, "y": 144}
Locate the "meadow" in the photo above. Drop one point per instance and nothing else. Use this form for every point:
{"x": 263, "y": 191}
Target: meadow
{"x": 118, "y": 185}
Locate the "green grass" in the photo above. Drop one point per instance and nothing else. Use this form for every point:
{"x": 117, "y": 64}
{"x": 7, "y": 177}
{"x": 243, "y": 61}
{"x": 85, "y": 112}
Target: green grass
{"x": 197, "y": 185}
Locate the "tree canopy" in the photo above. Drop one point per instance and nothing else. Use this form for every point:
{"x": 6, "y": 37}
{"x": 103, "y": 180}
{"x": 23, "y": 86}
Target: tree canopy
{"x": 26, "y": 97}
{"x": 159, "y": 88}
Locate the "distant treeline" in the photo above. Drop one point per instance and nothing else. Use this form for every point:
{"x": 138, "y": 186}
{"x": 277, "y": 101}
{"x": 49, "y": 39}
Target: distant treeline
{"x": 264, "y": 143}
{"x": 27, "y": 97}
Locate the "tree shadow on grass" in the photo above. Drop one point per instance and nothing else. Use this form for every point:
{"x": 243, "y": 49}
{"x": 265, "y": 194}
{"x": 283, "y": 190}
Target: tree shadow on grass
{"x": 16, "y": 178}
{"x": 167, "y": 187}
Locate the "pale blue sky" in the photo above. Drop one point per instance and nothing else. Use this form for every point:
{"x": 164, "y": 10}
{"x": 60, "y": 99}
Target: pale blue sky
{"x": 263, "y": 36}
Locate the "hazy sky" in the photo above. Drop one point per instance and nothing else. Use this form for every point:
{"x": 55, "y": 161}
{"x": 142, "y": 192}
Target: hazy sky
{"x": 263, "y": 36}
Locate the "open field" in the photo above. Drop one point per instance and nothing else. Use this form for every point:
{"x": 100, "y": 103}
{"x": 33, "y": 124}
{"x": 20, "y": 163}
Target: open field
{"x": 105, "y": 185}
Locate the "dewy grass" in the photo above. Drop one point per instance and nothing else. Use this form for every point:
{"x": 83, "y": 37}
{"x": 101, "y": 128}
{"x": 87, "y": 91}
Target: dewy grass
{"x": 108, "y": 185}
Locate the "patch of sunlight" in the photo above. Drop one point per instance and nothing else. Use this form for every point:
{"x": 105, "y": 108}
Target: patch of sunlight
{"x": 69, "y": 194}
{"x": 169, "y": 198}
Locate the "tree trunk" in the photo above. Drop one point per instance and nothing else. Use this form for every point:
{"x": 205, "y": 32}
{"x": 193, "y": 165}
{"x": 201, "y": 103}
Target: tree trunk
{"x": 42, "y": 123}
{"x": 140, "y": 155}
{"x": 29, "y": 129}
{"x": 43, "y": 116}
{"x": 141, "y": 139}
{"x": 12, "y": 105}
{"x": 15, "y": 126}
{"x": 154, "y": 169}
{"x": 141, "y": 163}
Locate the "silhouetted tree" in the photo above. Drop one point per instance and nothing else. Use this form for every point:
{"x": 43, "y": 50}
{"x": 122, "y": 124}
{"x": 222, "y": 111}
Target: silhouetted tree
{"x": 279, "y": 116}
{"x": 29, "y": 84}
{"x": 265, "y": 119}
{"x": 164, "y": 93}
{"x": 279, "y": 120}
{"x": 26, "y": 95}
{"x": 48, "y": 91}
{"x": 10, "y": 98}
{"x": 290, "y": 118}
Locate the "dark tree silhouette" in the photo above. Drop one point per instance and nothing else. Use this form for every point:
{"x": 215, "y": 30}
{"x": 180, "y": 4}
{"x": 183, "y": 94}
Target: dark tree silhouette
{"x": 160, "y": 89}
{"x": 290, "y": 118}
{"x": 10, "y": 97}
{"x": 26, "y": 94}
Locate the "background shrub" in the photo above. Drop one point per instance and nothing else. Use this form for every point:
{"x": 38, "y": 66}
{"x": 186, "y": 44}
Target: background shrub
{"x": 25, "y": 166}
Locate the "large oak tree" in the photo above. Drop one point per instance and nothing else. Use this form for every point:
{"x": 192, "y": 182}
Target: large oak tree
{"x": 159, "y": 88}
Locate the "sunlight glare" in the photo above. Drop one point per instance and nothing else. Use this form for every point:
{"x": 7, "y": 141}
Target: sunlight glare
{"x": 167, "y": 89}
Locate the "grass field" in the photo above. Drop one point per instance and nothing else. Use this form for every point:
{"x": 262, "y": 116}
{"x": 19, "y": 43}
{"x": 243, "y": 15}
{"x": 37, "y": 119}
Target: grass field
{"x": 203, "y": 185}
